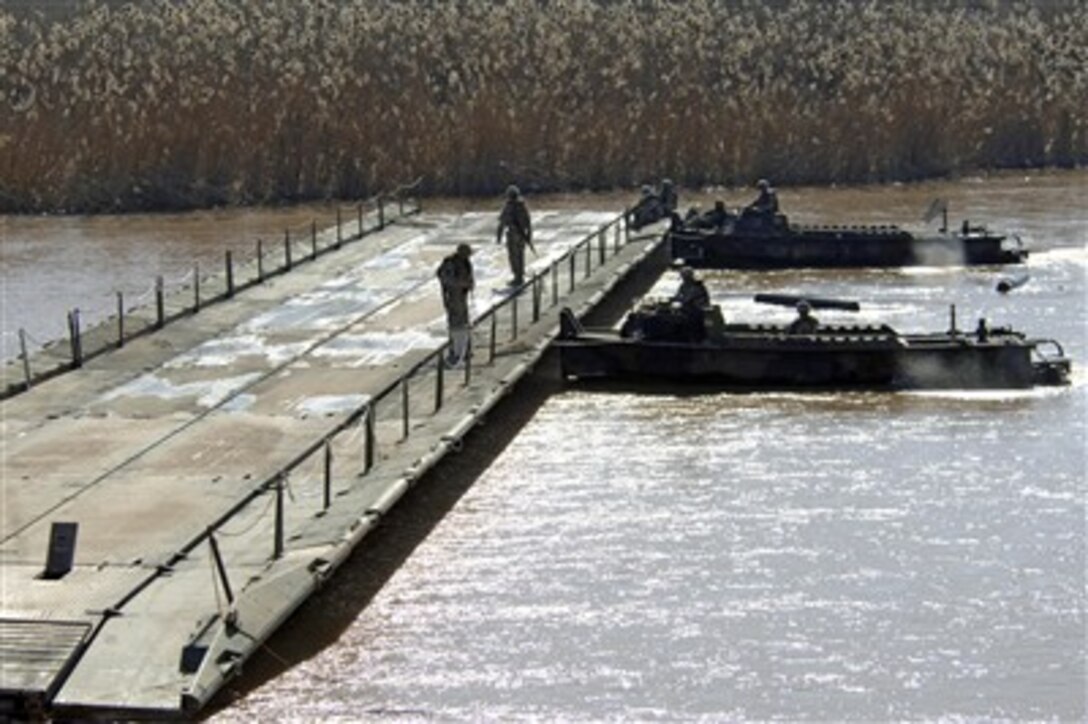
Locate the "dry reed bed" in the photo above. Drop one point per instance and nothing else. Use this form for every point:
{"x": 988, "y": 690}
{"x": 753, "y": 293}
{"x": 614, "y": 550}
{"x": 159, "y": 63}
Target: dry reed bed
{"x": 166, "y": 104}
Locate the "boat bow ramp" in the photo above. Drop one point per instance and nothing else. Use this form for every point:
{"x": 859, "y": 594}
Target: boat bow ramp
{"x": 169, "y": 503}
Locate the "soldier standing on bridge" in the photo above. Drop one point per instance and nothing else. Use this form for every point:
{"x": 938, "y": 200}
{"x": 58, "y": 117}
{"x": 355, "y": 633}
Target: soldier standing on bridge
{"x": 514, "y": 220}
{"x": 457, "y": 280}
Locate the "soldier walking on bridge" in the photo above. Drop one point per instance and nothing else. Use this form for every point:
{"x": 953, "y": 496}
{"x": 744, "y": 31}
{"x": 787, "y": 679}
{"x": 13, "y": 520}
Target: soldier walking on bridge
{"x": 514, "y": 220}
{"x": 457, "y": 280}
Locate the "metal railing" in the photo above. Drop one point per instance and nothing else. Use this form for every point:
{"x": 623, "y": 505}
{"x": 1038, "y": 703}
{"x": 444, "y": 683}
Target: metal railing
{"x": 158, "y": 306}
{"x": 358, "y": 432}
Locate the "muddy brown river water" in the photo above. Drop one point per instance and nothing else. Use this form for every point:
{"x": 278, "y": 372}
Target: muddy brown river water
{"x": 677, "y": 557}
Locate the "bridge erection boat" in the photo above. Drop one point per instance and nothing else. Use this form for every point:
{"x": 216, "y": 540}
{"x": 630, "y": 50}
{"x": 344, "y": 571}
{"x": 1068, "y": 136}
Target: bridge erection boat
{"x": 755, "y": 241}
{"x": 658, "y": 342}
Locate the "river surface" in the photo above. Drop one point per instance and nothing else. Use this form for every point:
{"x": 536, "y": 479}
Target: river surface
{"x": 679, "y": 557}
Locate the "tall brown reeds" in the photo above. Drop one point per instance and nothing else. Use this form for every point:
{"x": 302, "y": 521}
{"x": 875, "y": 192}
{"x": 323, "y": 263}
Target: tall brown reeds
{"x": 161, "y": 104}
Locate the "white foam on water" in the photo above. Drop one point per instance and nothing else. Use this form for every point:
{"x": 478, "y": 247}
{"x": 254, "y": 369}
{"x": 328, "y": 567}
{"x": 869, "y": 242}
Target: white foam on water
{"x": 1064, "y": 255}
{"x": 988, "y": 395}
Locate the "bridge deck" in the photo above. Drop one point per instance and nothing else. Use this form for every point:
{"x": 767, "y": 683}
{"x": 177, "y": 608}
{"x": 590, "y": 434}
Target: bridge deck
{"x": 149, "y": 446}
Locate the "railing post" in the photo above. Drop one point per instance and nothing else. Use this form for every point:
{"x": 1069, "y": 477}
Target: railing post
{"x": 468, "y": 361}
{"x": 287, "y": 249}
{"x": 602, "y": 246}
{"x": 404, "y": 408}
{"x": 368, "y": 434}
{"x": 573, "y": 261}
{"x": 339, "y": 231}
{"x": 514, "y": 316}
{"x": 120, "y": 319}
{"x": 327, "y": 497}
{"x": 359, "y": 211}
{"x": 494, "y": 334}
{"x": 230, "y": 274}
{"x": 589, "y": 255}
{"x": 555, "y": 284}
{"x": 219, "y": 567}
{"x": 196, "y": 287}
{"x": 78, "y": 326}
{"x": 400, "y": 204}
{"x": 277, "y": 533}
{"x": 616, "y": 240}
{"x": 260, "y": 261}
{"x": 536, "y": 299}
{"x": 439, "y": 382}
{"x": 26, "y": 356}
{"x": 76, "y": 342}
{"x": 160, "y": 305}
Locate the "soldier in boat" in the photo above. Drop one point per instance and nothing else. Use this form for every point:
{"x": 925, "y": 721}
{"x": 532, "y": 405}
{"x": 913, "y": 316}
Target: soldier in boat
{"x": 805, "y": 322}
{"x": 668, "y": 197}
{"x": 691, "y": 299}
{"x": 648, "y": 209}
{"x": 762, "y": 214}
{"x": 716, "y": 218}
{"x": 653, "y": 205}
{"x": 766, "y": 204}
{"x": 692, "y": 293}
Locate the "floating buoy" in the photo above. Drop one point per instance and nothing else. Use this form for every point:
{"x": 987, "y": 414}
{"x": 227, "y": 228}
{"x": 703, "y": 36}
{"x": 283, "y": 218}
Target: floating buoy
{"x": 1007, "y": 284}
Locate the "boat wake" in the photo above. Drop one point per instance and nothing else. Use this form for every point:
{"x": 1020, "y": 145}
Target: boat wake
{"x": 1061, "y": 256}
{"x": 990, "y": 395}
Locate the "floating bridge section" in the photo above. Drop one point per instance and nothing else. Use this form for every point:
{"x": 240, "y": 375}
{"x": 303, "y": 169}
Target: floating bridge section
{"x": 220, "y": 467}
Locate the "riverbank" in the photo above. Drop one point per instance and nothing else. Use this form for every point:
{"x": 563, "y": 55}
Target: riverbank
{"x": 164, "y": 106}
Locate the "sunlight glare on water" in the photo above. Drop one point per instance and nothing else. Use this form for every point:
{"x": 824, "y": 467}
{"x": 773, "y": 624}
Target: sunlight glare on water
{"x": 822, "y": 557}
{"x": 854, "y": 556}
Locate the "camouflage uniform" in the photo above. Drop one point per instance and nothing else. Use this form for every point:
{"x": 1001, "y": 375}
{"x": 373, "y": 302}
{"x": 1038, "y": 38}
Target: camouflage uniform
{"x": 692, "y": 299}
{"x": 668, "y": 196}
{"x": 805, "y": 322}
{"x": 716, "y": 217}
{"x": 456, "y": 277}
{"x": 514, "y": 220}
{"x": 692, "y": 295}
{"x": 766, "y": 203}
{"x": 648, "y": 210}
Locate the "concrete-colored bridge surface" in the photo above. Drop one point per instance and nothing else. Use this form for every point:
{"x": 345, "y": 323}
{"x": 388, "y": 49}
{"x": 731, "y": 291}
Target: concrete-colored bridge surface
{"x": 254, "y": 430}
